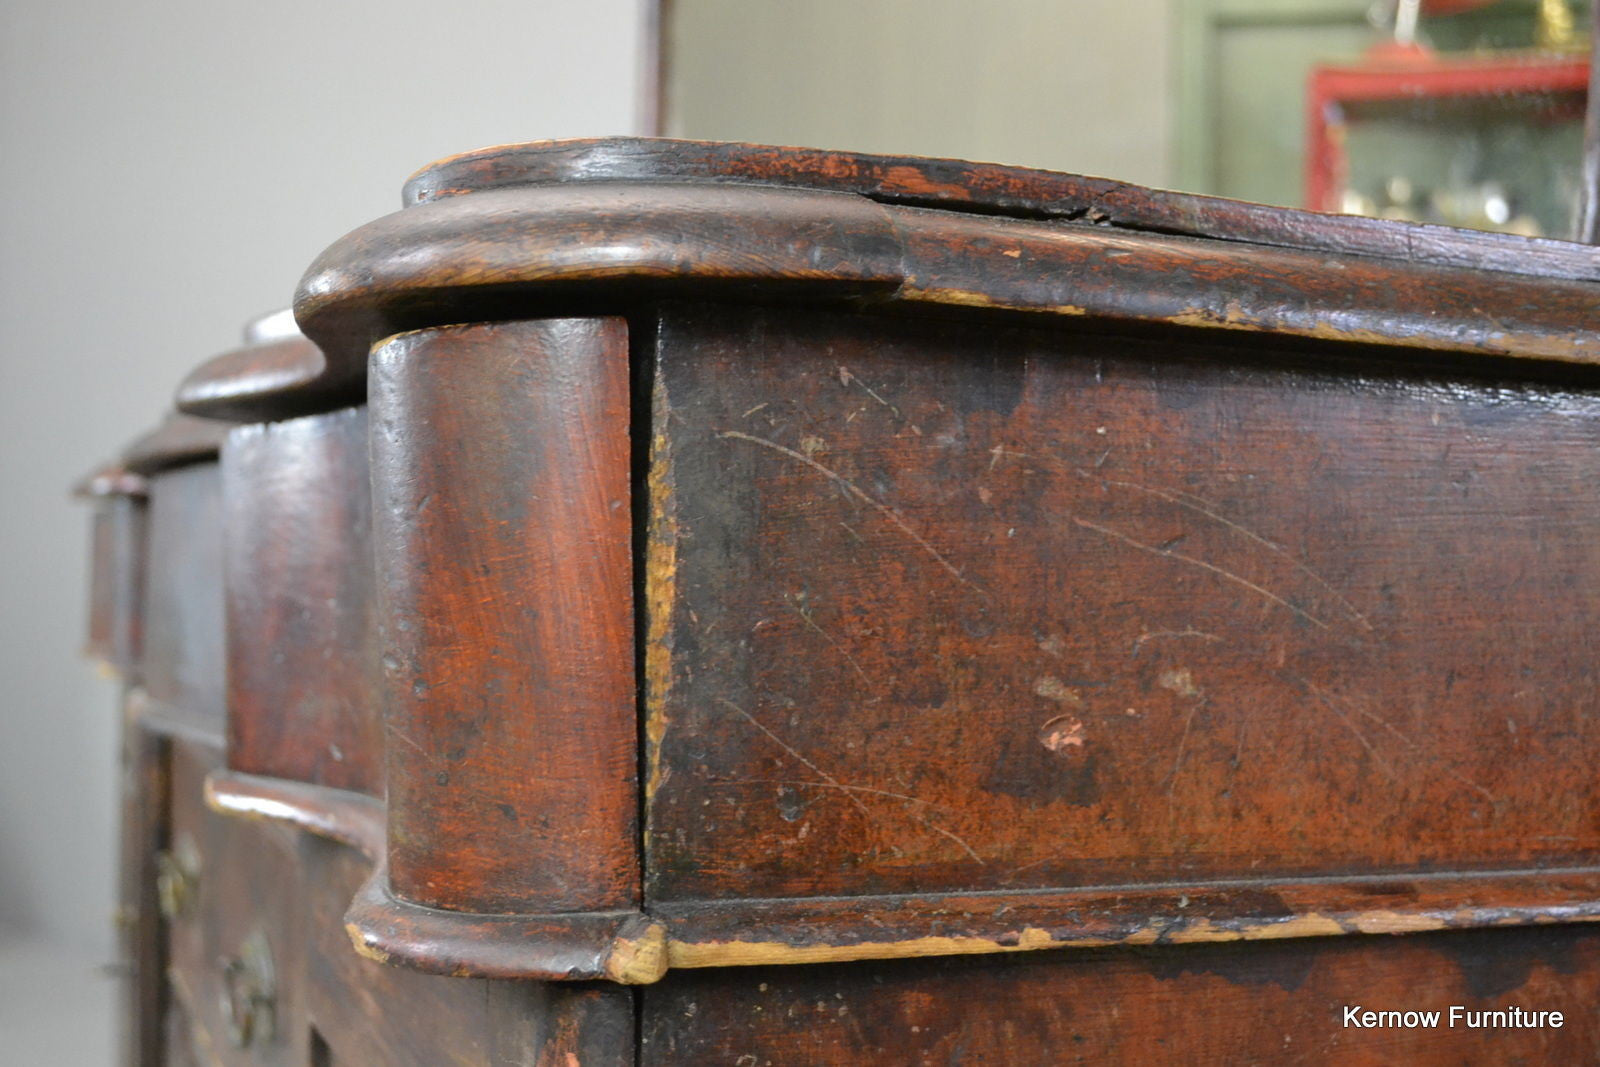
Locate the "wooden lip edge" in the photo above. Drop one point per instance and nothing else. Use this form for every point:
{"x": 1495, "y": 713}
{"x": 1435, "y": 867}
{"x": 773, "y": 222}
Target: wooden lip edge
{"x": 158, "y": 717}
{"x": 350, "y": 818}
{"x": 965, "y": 185}
{"x": 439, "y": 263}
{"x": 637, "y": 948}
{"x": 273, "y": 380}
{"x": 178, "y": 441}
{"x": 623, "y": 946}
{"x": 702, "y": 935}
{"x": 110, "y": 480}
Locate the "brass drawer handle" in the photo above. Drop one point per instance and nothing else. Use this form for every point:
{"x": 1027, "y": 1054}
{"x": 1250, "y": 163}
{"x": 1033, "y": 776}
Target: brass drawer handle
{"x": 249, "y": 993}
{"x": 178, "y": 879}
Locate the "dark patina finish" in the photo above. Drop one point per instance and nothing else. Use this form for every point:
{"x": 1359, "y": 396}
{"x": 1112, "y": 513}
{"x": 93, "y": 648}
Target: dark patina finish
{"x": 720, "y": 603}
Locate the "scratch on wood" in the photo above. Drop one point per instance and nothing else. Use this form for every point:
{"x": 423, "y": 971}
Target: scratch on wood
{"x": 860, "y": 494}
{"x": 801, "y": 783}
{"x": 1151, "y": 635}
{"x": 996, "y": 452}
{"x": 1177, "y": 757}
{"x": 781, "y": 743}
{"x": 1202, "y": 564}
{"x": 1202, "y": 507}
{"x": 847, "y": 378}
{"x": 805, "y": 617}
{"x": 401, "y": 734}
{"x": 1322, "y": 697}
{"x": 964, "y": 846}
{"x": 849, "y": 791}
{"x": 1332, "y": 701}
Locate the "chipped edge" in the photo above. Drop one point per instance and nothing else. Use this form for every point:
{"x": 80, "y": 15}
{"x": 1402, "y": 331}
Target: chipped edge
{"x": 639, "y": 960}
{"x": 700, "y": 954}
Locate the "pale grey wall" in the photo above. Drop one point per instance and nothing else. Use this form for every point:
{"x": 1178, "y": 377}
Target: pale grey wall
{"x": 1082, "y": 87}
{"x": 170, "y": 167}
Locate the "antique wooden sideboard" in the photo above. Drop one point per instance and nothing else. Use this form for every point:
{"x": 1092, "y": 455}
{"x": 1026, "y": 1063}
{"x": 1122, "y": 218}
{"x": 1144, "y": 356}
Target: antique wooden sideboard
{"x": 688, "y": 603}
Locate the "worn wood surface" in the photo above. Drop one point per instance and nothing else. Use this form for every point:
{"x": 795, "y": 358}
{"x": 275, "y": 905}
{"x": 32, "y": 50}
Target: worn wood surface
{"x": 639, "y": 948}
{"x": 503, "y": 538}
{"x": 512, "y": 252}
{"x": 302, "y": 659}
{"x": 950, "y": 609}
{"x": 1280, "y": 1003}
{"x": 990, "y": 189}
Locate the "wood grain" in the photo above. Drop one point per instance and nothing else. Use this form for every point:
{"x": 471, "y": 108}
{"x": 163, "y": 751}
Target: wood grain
{"x": 990, "y": 189}
{"x": 301, "y": 602}
{"x": 969, "y": 608}
{"x": 1274, "y": 1004}
{"x": 507, "y": 252}
{"x": 503, "y": 539}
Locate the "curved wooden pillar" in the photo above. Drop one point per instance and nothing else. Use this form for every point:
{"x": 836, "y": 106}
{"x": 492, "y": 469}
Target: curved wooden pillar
{"x": 502, "y": 531}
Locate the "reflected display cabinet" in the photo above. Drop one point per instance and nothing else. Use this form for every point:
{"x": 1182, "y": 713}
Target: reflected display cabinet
{"x": 688, "y": 603}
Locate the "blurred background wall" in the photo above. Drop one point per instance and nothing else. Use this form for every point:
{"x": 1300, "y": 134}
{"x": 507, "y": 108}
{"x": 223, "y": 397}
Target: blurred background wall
{"x": 171, "y": 167}
{"x": 1083, "y": 87}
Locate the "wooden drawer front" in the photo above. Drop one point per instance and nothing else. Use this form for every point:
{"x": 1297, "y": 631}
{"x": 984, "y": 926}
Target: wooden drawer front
{"x": 944, "y": 608}
{"x": 235, "y": 928}
{"x": 257, "y": 891}
{"x": 183, "y": 631}
{"x": 1266, "y": 1003}
{"x": 302, "y": 698}
{"x": 116, "y": 550}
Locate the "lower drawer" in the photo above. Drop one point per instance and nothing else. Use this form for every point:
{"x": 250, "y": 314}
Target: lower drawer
{"x": 230, "y": 892}
{"x": 261, "y": 971}
{"x": 1261, "y": 1002}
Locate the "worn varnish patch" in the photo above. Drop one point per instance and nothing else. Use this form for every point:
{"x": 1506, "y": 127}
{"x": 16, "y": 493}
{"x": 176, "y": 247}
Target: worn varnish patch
{"x": 1149, "y": 612}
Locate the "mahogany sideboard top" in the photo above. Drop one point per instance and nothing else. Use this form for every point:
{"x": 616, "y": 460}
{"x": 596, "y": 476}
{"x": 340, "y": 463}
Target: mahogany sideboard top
{"x": 699, "y": 591}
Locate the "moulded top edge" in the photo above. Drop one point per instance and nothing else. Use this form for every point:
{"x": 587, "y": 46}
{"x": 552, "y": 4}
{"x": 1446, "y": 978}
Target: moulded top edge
{"x": 994, "y": 189}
